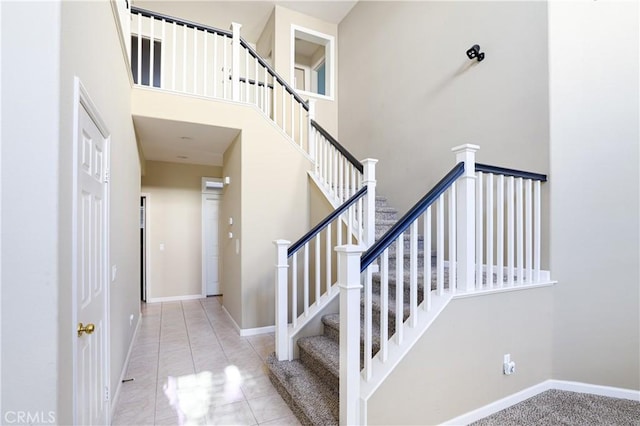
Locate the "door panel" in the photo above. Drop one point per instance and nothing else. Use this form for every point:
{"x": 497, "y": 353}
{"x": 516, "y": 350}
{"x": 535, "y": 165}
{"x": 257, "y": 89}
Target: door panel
{"x": 91, "y": 273}
{"x": 211, "y": 254}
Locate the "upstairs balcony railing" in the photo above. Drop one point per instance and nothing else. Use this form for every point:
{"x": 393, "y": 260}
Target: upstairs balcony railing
{"x": 196, "y": 59}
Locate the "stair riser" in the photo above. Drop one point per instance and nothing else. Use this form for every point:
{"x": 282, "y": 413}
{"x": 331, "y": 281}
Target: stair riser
{"x": 334, "y": 333}
{"x": 323, "y": 373}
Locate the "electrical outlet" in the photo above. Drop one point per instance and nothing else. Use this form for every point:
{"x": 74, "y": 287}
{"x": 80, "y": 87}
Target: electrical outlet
{"x": 508, "y": 366}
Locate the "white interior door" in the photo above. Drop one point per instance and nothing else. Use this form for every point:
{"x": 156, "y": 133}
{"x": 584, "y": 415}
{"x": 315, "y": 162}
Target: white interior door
{"x": 91, "y": 273}
{"x": 210, "y": 243}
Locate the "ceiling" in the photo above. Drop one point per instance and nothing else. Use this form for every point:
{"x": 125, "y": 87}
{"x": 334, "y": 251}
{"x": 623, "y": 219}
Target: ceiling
{"x": 182, "y": 142}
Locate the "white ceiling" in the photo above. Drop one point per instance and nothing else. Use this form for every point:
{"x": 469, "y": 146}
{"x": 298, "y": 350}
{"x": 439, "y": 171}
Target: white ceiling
{"x": 165, "y": 140}
{"x": 253, "y": 15}
{"x": 181, "y": 142}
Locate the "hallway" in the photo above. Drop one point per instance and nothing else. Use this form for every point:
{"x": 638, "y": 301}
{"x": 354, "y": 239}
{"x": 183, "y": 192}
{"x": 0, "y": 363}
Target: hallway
{"x": 188, "y": 358}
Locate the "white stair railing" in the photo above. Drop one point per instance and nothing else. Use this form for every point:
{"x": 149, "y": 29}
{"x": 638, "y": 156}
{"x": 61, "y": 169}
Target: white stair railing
{"x": 306, "y": 272}
{"x": 455, "y": 238}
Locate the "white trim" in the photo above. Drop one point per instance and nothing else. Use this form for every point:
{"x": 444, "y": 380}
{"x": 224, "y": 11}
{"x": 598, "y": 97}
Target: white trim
{"x": 257, "y": 330}
{"x": 116, "y": 394}
{"x": 244, "y": 332}
{"x": 329, "y": 43}
{"x": 534, "y": 390}
{"x": 82, "y": 98}
{"x": 488, "y": 291}
{"x": 217, "y": 195}
{"x": 147, "y": 197}
{"x": 126, "y": 47}
{"x": 175, "y": 298}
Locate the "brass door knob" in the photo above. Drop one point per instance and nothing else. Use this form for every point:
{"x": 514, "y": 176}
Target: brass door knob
{"x": 89, "y": 328}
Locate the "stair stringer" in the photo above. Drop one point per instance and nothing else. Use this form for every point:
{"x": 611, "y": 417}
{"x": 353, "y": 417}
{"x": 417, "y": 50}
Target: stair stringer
{"x": 396, "y": 352}
{"x": 311, "y": 324}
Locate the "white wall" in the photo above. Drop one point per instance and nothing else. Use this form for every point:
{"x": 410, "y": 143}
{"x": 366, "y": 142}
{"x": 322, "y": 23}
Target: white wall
{"x": 593, "y": 50}
{"x": 174, "y": 219}
{"x": 408, "y": 92}
{"x": 30, "y": 150}
{"x": 456, "y": 366}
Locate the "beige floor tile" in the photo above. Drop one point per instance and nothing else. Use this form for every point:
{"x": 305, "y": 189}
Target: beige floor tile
{"x": 131, "y": 414}
{"x": 255, "y": 387}
{"x": 237, "y": 413}
{"x": 269, "y": 408}
{"x": 285, "y": 421}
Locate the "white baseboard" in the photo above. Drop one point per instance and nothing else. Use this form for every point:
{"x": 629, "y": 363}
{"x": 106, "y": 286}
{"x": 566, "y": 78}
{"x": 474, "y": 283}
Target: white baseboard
{"x": 176, "y": 298}
{"x": 534, "y": 390}
{"x": 116, "y": 394}
{"x": 499, "y": 405}
{"x": 244, "y": 332}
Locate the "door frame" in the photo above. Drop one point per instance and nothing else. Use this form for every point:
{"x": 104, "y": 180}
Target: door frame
{"x": 208, "y": 191}
{"x": 83, "y": 100}
{"x": 147, "y": 197}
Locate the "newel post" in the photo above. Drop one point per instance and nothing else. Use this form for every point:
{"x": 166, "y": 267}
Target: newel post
{"x": 369, "y": 179}
{"x": 282, "y": 267}
{"x": 349, "y": 284}
{"x": 466, "y": 220}
{"x": 235, "y": 61}
{"x": 311, "y": 131}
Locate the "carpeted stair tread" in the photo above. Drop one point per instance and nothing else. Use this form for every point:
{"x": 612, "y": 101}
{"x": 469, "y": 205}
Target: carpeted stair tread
{"x": 332, "y": 330}
{"x": 312, "y": 401}
{"x": 322, "y": 355}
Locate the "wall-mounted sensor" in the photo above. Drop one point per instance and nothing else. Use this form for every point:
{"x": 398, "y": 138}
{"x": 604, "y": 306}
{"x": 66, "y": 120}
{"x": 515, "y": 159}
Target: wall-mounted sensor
{"x": 474, "y": 52}
{"x": 227, "y": 180}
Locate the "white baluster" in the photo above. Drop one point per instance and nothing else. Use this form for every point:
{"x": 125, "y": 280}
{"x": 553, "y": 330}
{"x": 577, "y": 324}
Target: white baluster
{"x": 328, "y": 258}
{"x": 184, "y": 58}
{"x": 139, "y": 49}
{"x": 452, "y": 238}
{"x": 173, "y": 57}
{"x": 246, "y": 76}
{"x": 384, "y": 305}
{"x": 368, "y": 323}
{"x": 235, "y": 61}
{"x": 162, "y": 54}
{"x": 282, "y": 337}
{"x": 528, "y": 229}
{"x": 369, "y": 168}
{"x": 399, "y": 288}
{"x": 538, "y": 231}
{"x": 427, "y": 259}
{"x": 490, "y": 232}
{"x": 284, "y": 109}
{"x": 510, "y": 230}
{"x": 440, "y": 246}
{"x": 413, "y": 275}
{"x": 317, "y": 269}
{"x": 257, "y": 86}
{"x": 305, "y": 282}
{"x": 292, "y": 99}
{"x": 466, "y": 232}
{"x": 312, "y": 132}
{"x": 479, "y": 230}
{"x": 195, "y": 60}
{"x": 225, "y": 71}
{"x": 215, "y": 65}
{"x": 151, "y": 50}
{"x": 205, "y": 60}
{"x": 294, "y": 290}
{"x": 500, "y": 233}
{"x": 519, "y": 231}
{"x": 349, "y": 283}
{"x": 341, "y": 183}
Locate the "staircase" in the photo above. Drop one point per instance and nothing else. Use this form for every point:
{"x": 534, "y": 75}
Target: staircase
{"x": 310, "y": 384}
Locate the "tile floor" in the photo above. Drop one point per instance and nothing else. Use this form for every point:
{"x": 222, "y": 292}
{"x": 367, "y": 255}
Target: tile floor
{"x": 190, "y": 366}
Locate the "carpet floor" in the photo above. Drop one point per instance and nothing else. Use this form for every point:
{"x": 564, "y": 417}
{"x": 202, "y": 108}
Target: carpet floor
{"x": 556, "y": 407}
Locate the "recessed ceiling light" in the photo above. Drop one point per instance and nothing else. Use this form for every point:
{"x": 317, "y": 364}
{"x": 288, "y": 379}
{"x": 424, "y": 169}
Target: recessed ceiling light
{"x": 182, "y": 157}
